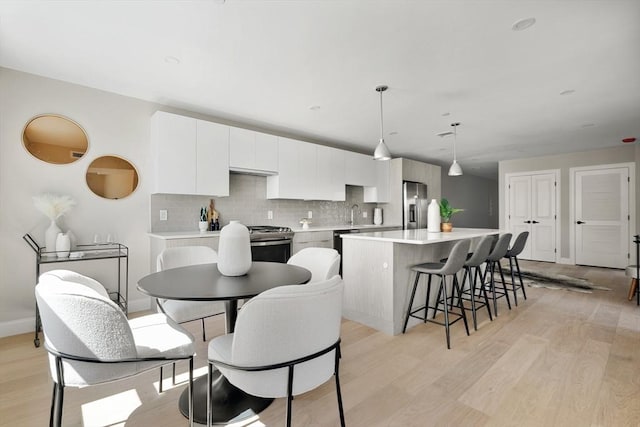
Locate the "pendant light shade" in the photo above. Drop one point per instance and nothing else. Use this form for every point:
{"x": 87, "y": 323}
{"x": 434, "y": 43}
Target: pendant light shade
{"x": 381, "y": 152}
{"x": 455, "y": 169}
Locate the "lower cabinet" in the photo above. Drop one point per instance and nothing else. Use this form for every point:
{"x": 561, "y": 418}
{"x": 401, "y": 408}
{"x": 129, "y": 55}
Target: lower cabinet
{"x": 312, "y": 239}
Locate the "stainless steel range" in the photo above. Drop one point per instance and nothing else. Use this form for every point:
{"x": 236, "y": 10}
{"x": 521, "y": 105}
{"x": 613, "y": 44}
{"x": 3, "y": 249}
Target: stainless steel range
{"x": 270, "y": 243}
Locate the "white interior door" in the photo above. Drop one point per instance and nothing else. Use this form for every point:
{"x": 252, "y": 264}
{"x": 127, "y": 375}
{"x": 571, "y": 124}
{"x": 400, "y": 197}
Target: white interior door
{"x": 520, "y": 209}
{"x": 542, "y": 239}
{"x": 532, "y": 208}
{"x": 602, "y": 217}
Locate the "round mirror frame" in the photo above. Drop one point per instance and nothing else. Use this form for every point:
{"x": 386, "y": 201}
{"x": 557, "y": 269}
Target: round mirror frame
{"x": 55, "y": 139}
{"x": 106, "y": 177}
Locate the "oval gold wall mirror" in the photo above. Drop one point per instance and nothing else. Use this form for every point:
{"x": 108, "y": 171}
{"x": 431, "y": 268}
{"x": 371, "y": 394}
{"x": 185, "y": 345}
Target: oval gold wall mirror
{"x": 112, "y": 177}
{"x": 55, "y": 139}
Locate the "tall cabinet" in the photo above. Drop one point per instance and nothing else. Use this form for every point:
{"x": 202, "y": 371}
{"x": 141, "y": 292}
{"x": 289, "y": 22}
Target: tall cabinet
{"x": 190, "y": 156}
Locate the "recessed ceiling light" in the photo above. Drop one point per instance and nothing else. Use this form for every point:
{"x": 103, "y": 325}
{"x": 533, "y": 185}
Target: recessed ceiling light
{"x": 587, "y": 125}
{"x": 445, "y": 133}
{"x": 171, "y": 60}
{"x": 314, "y": 107}
{"x": 523, "y": 24}
{"x": 568, "y": 92}
{"x": 395, "y": 132}
{"x": 446, "y": 114}
{"x": 629, "y": 140}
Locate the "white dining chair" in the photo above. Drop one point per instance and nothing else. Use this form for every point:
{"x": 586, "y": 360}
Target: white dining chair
{"x": 90, "y": 341}
{"x": 324, "y": 263}
{"x": 187, "y": 311}
{"x": 286, "y": 342}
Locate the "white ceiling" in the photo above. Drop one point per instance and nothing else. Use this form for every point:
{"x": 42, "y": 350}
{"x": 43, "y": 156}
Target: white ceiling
{"x": 263, "y": 64}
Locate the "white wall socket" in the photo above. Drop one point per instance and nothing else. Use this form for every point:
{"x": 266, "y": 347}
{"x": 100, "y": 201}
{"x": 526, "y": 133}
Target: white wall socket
{"x": 163, "y": 214}
{"x": 269, "y": 214}
{"x": 364, "y": 214}
{"x": 309, "y": 214}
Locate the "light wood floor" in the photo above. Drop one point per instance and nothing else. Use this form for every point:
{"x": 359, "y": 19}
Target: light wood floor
{"x": 559, "y": 359}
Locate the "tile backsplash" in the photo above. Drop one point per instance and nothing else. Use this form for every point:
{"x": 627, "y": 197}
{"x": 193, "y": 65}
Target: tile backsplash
{"x": 248, "y": 204}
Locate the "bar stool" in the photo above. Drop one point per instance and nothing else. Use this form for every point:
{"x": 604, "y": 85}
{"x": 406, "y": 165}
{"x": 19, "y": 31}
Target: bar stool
{"x": 497, "y": 253}
{"x": 454, "y": 264}
{"x": 512, "y": 254}
{"x": 474, "y": 272}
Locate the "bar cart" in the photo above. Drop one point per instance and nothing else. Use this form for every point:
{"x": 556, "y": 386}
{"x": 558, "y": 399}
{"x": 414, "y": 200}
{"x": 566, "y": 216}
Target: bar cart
{"x": 101, "y": 251}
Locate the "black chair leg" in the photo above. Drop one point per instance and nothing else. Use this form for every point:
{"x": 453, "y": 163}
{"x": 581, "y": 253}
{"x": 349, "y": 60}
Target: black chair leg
{"x": 160, "y": 382}
{"x": 426, "y": 298}
{"x": 504, "y": 286}
{"x": 190, "y": 391}
{"x": 338, "y": 392}
{"x": 204, "y": 332}
{"x": 443, "y": 289}
{"x": 440, "y": 297}
{"x": 456, "y": 289}
{"x": 289, "y": 396}
{"x": 59, "y": 402}
{"x": 484, "y": 291}
{"x": 173, "y": 373}
{"x": 53, "y": 403}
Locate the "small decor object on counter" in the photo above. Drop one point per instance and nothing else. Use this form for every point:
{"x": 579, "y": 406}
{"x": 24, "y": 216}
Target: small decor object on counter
{"x": 213, "y": 216}
{"x": 63, "y": 245}
{"x": 234, "y": 250}
{"x": 53, "y": 206}
{"x": 203, "y": 224}
{"x": 377, "y": 216}
{"x": 433, "y": 217}
{"x": 305, "y": 223}
{"x": 446, "y": 211}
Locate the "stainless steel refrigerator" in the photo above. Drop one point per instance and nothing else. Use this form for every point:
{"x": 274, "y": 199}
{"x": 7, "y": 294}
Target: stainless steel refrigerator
{"x": 415, "y": 205}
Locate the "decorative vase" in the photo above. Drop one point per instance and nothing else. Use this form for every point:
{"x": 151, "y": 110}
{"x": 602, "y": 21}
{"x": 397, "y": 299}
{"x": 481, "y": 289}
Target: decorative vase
{"x": 202, "y": 226}
{"x": 446, "y": 227}
{"x": 377, "y": 216}
{"x": 63, "y": 245}
{"x": 50, "y": 237}
{"x": 234, "y": 250}
{"x": 433, "y": 217}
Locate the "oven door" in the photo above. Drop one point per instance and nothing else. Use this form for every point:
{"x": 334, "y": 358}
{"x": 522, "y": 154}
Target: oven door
{"x": 271, "y": 250}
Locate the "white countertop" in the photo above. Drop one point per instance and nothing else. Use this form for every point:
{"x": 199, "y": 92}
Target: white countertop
{"x": 170, "y": 235}
{"x": 421, "y": 236}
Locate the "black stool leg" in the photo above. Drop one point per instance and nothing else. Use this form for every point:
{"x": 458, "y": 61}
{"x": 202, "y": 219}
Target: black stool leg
{"x": 413, "y": 294}
{"x": 472, "y": 290}
{"x": 524, "y": 293}
{"x": 456, "y": 289}
{"x": 484, "y": 291}
{"x": 443, "y": 290}
{"x": 439, "y": 298}
{"x": 426, "y": 300}
{"x": 513, "y": 282}
{"x": 504, "y": 286}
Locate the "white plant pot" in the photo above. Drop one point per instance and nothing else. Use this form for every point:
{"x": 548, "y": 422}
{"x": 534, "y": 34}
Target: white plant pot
{"x": 234, "y": 250}
{"x": 63, "y": 245}
{"x": 202, "y": 226}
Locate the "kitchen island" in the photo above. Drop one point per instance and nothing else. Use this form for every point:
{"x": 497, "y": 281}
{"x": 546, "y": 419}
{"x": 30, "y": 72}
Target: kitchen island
{"x": 376, "y": 271}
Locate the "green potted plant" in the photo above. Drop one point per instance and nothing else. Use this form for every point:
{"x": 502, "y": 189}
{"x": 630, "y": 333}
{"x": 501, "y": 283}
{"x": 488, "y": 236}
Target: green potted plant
{"x": 446, "y": 211}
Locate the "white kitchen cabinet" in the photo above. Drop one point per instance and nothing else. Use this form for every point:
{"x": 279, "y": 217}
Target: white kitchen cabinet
{"x": 312, "y": 239}
{"x": 329, "y": 181}
{"x": 380, "y": 192}
{"x": 297, "y": 169}
{"x": 251, "y": 151}
{"x": 360, "y": 169}
{"x": 190, "y": 156}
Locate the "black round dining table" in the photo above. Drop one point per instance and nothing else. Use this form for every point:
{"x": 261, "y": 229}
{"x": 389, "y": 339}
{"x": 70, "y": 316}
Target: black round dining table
{"x": 203, "y": 282}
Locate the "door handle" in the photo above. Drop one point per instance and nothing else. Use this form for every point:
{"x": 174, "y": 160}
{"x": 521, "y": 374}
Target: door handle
{"x": 580, "y": 222}
{"x": 535, "y": 222}
{"x": 527, "y": 222}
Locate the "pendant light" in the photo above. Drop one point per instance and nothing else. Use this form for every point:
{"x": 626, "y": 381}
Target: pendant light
{"x": 381, "y": 152}
{"x": 455, "y": 169}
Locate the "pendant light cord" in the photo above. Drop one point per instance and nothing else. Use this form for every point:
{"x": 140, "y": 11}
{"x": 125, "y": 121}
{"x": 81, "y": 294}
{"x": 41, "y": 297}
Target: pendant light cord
{"x": 381, "y": 124}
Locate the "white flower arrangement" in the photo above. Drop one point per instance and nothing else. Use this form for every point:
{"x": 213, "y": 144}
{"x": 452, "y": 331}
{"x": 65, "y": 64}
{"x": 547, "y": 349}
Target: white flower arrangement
{"x": 52, "y": 205}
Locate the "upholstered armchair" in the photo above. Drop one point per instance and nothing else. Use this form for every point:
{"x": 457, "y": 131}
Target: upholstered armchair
{"x": 324, "y": 263}
{"x": 90, "y": 341}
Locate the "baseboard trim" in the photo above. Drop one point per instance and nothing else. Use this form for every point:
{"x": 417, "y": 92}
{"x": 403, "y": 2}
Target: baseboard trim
{"x": 565, "y": 261}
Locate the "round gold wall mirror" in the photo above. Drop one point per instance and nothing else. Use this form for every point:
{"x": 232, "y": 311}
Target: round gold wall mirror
{"x": 55, "y": 139}
{"x": 112, "y": 177}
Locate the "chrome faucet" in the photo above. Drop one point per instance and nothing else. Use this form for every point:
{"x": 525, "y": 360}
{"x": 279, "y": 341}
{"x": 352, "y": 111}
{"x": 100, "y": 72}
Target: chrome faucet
{"x": 354, "y": 208}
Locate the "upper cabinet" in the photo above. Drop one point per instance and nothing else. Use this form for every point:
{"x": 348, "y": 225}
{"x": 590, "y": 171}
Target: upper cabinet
{"x": 379, "y": 193}
{"x": 307, "y": 171}
{"x": 252, "y": 152}
{"x": 360, "y": 170}
{"x": 190, "y": 156}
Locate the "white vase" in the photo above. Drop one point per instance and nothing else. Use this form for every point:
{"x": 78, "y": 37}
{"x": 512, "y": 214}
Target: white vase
{"x": 377, "y": 216}
{"x": 50, "y": 237}
{"x": 234, "y": 250}
{"x": 63, "y": 245}
{"x": 433, "y": 217}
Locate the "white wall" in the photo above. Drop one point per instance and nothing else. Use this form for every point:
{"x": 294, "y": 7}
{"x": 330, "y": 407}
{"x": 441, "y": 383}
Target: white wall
{"x": 564, "y": 162}
{"x": 115, "y": 125}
